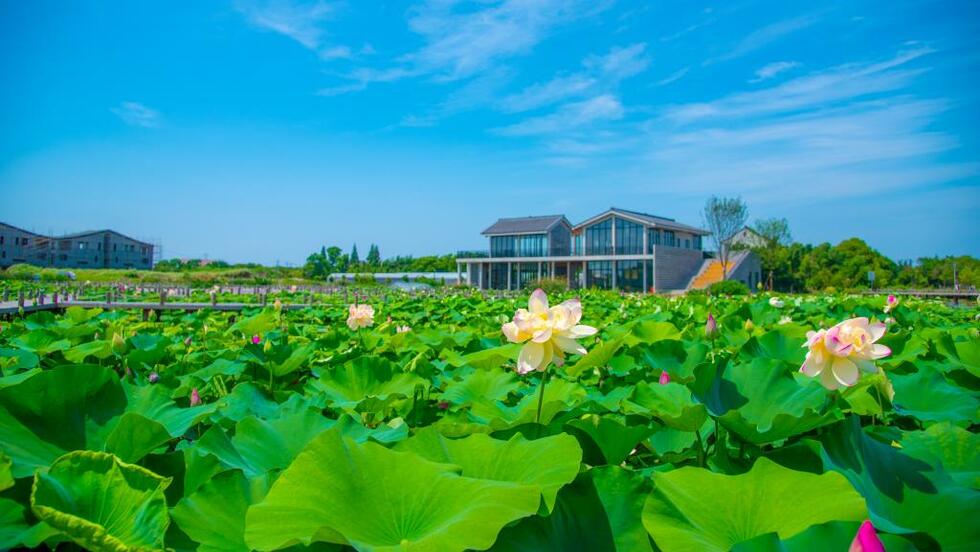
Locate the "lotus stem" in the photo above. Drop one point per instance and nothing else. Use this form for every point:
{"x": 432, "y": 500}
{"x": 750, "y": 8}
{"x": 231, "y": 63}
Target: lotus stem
{"x": 544, "y": 379}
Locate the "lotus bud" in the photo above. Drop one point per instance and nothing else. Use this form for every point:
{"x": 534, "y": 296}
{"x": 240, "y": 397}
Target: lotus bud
{"x": 664, "y": 378}
{"x": 267, "y": 347}
{"x": 711, "y": 328}
{"x": 277, "y": 304}
{"x": 749, "y": 325}
{"x": 96, "y": 336}
{"x": 866, "y": 539}
{"x": 891, "y": 303}
{"x": 195, "y": 397}
{"x": 154, "y": 377}
{"x": 443, "y": 405}
{"x": 187, "y": 341}
{"x": 118, "y": 343}
{"x": 256, "y": 340}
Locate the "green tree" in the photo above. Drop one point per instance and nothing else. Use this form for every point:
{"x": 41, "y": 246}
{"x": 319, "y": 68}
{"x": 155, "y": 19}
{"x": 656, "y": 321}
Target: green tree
{"x": 775, "y": 237}
{"x": 374, "y": 256}
{"x": 724, "y": 217}
{"x": 354, "y": 259}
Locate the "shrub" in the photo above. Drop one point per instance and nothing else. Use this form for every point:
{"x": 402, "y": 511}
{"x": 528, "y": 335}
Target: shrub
{"x": 549, "y": 285}
{"x": 728, "y": 287}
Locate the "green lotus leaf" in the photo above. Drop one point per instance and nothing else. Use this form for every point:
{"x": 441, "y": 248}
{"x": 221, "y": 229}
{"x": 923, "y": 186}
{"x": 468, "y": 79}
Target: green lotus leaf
{"x": 649, "y": 331}
{"x": 256, "y": 324}
{"x": 100, "y": 348}
{"x": 547, "y": 463}
{"x": 55, "y": 411}
{"x": 6, "y": 476}
{"x": 101, "y": 503}
{"x": 963, "y": 353}
{"x": 763, "y": 401}
{"x": 259, "y": 446}
{"x": 366, "y": 377}
{"x": 14, "y": 360}
{"x": 957, "y": 449}
{"x": 214, "y": 515}
{"x": 678, "y": 358}
{"x": 559, "y": 396}
{"x": 693, "y": 509}
{"x": 487, "y": 359}
{"x": 612, "y": 436}
{"x": 944, "y": 402}
{"x": 623, "y": 494}
{"x": 781, "y": 344}
{"x": 904, "y": 494}
{"x": 15, "y": 531}
{"x": 146, "y": 349}
{"x": 836, "y": 535}
{"x": 377, "y": 499}
{"x": 671, "y": 403}
{"x": 481, "y": 385}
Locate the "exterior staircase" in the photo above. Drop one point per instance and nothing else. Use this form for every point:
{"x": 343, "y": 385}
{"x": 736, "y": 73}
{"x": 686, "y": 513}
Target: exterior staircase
{"x": 712, "y": 270}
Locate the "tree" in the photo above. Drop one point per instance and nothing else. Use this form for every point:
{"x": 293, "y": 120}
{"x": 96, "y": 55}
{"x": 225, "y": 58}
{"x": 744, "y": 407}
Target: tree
{"x": 374, "y": 256}
{"x": 775, "y": 236}
{"x": 724, "y": 217}
{"x": 354, "y": 259}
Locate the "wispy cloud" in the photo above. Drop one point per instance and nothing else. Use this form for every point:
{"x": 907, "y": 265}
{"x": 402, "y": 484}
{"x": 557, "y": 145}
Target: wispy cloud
{"x": 764, "y": 36}
{"x": 849, "y": 131}
{"x": 301, "y": 21}
{"x": 673, "y": 77}
{"x": 568, "y": 117}
{"x": 770, "y": 70}
{"x": 601, "y": 73}
{"x": 137, "y": 114}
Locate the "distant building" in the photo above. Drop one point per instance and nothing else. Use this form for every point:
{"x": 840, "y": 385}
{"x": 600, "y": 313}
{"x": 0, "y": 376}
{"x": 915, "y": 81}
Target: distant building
{"x": 93, "y": 249}
{"x": 616, "y": 249}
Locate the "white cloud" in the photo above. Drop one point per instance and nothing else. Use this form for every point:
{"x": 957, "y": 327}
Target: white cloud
{"x": 568, "y": 117}
{"x": 764, "y": 36}
{"x": 770, "y": 70}
{"x": 673, "y": 77}
{"x": 302, "y": 21}
{"x": 137, "y": 114}
{"x": 601, "y": 73}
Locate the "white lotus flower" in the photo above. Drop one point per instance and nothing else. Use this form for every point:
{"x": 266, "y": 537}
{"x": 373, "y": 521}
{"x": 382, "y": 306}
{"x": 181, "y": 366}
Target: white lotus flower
{"x": 776, "y": 302}
{"x": 360, "y": 316}
{"x": 547, "y": 333}
{"x": 838, "y": 355}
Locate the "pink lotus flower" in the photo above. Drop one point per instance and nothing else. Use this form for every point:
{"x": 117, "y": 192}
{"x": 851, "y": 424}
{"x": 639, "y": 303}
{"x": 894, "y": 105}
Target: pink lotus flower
{"x": 154, "y": 377}
{"x": 866, "y": 539}
{"x": 839, "y": 354}
{"x": 547, "y": 333}
{"x": 891, "y": 303}
{"x": 360, "y": 316}
{"x": 195, "y": 397}
{"x": 256, "y": 340}
{"x": 664, "y": 378}
{"x": 711, "y": 328}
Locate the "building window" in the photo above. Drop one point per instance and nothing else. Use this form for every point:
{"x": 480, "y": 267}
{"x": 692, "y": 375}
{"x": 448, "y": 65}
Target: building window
{"x": 113, "y": 247}
{"x": 669, "y": 238}
{"x": 1, "y": 240}
{"x": 25, "y": 241}
{"x": 498, "y": 275}
{"x": 629, "y": 237}
{"x": 653, "y": 238}
{"x": 629, "y": 275}
{"x": 501, "y": 246}
{"x": 697, "y": 242}
{"x": 598, "y": 238}
{"x": 598, "y": 274}
{"x": 687, "y": 243}
{"x": 532, "y": 246}
{"x": 82, "y": 245}
{"x": 577, "y": 245}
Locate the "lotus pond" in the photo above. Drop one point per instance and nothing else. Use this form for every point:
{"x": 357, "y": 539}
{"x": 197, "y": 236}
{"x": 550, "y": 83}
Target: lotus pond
{"x": 445, "y": 422}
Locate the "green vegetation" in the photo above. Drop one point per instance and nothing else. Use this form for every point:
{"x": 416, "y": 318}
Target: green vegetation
{"x": 272, "y": 429}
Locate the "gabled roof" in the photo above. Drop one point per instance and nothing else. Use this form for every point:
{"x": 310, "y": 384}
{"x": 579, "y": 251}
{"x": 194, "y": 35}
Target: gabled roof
{"x": 74, "y": 235}
{"x": 646, "y": 219}
{"x": 525, "y": 225}
{"x": 17, "y": 228}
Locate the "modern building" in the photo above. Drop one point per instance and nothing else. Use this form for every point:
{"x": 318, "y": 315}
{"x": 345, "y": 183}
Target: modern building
{"x": 616, "y": 249}
{"x": 94, "y": 249}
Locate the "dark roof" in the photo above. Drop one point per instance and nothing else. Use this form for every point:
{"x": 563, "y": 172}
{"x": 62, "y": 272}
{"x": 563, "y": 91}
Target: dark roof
{"x": 654, "y": 220}
{"x": 93, "y": 232}
{"x": 19, "y": 229}
{"x": 524, "y": 225}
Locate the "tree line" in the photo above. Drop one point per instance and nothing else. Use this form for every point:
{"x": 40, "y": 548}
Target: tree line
{"x": 331, "y": 260}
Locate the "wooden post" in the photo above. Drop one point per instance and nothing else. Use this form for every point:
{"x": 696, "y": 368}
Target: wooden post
{"x": 6, "y": 294}
{"x": 108, "y": 297}
{"x": 146, "y": 314}
{"x": 54, "y": 298}
{"x": 20, "y": 299}
{"x": 163, "y": 296}
{"x": 214, "y": 298}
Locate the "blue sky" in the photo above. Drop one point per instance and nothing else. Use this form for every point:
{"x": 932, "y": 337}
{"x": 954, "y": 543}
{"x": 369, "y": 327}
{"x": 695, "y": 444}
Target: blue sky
{"x": 257, "y": 131}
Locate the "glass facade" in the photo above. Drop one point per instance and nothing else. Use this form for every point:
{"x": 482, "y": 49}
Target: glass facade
{"x": 669, "y": 239}
{"x": 598, "y": 238}
{"x": 629, "y": 237}
{"x": 498, "y": 276}
{"x": 598, "y": 274}
{"x": 629, "y": 275}
{"x": 533, "y": 245}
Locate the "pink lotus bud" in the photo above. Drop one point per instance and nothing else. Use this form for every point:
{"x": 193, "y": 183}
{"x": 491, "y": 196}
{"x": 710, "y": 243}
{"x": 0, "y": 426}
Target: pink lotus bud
{"x": 256, "y": 340}
{"x": 195, "y": 397}
{"x": 866, "y": 539}
{"x": 711, "y": 327}
{"x": 664, "y": 378}
{"x": 443, "y": 405}
{"x": 892, "y": 300}
{"x": 154, "y": 377}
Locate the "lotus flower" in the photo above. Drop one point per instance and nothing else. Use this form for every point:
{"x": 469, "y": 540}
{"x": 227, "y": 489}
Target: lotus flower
{"x": 154, "y": 377}
{"x": 776, "y": 302}
{"x": 839, "y": 354}
{"x": 547, "y": 333}
{"x": 195, "y": 397}
{"x": 891, "y": 303}
{"x": 277, "y": 305}
{"x": 403, "y": 329}
{"x": 664, "y": 378}
{"x": 711, "y": 328}
{"x": 256, "y": 340}
{"x": 361, "y": 316}
{"x": 785, "y": 320}
{"x": 866, "y": 539}
{"x": 118, "y": 343}
{"x": 749, "y": 325}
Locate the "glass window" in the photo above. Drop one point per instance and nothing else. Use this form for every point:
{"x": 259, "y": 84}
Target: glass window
{"x": 534, "y": 245}
{"x": 599, "y": 274}
{"x": 669, "y": 238}
{"x": 598, "y": 238}
{"x": 498, "y": 275}
{"x": 697, "y": 242}
{"x": 653, "y": 238}
{"x": 629, "y": 237}
{"x": 629, "y": 275}
{"x": 501, "y": 246}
